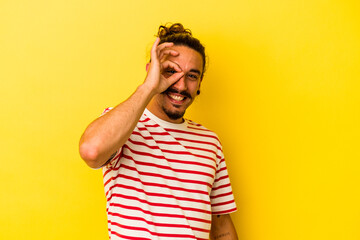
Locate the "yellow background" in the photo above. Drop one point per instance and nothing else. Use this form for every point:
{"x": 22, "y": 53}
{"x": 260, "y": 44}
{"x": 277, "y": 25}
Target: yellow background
{"x": 281, "y": 90}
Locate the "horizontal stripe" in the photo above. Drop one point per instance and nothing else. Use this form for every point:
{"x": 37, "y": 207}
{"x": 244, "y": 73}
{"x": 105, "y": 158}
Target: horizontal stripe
{"x": 193, "y": 123}
{"x": 191, "y": 133}
{"x": 144, "y": 120}
{"x": 167, "y": 167}
{"x": 152, "y": 125}
{"x": 203, "y": 149}
{"x": 158, "y": 141}
{"x": 225, "y": 211}
{"x": 153, "y": 184}
{"x": 221, "y": 169}
{"x": 141, "y": 229}
{"x": 223, "y": 203}
{"x": 167, "y": 215}
{"x": 166, "y": 176}
{"x": 178, "y": 144}
{"x": 175, "y": 161}
{"x": 161, "y": 166}
{"x": 221, "y": 186}
{"x": 221, "y": 195}
{"x": 151, "y": 138}
{"x": 128, "y": 217}
{"x": 153, "y": 133}
{"x": 138, "y": 133}
{"x": 173, "y": 152}
{"x": 195, "y": 128}
{"x": 160, "y": 205}
{"x": 160, "y": 195}
{"x": 124, "y": 236}
{"x": 198, "y": 141}
{"x": 221, "y": 178}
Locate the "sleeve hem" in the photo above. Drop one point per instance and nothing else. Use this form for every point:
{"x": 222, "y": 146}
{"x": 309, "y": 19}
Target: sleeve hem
{"x": 225, "y": 211}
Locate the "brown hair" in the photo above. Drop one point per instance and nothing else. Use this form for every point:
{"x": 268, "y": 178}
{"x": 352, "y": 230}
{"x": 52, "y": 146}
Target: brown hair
{"x": 177, "y": 34}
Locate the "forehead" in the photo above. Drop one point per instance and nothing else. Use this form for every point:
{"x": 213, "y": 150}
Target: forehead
{"x": 187, "y": 59}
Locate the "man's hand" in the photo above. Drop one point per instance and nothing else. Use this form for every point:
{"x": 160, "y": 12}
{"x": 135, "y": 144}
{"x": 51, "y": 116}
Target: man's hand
{"x": 162, "y": 73}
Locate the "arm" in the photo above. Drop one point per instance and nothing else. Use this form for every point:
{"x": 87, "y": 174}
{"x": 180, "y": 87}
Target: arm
{"x": 104, "y": 136}
{"x": 222, "y": 228}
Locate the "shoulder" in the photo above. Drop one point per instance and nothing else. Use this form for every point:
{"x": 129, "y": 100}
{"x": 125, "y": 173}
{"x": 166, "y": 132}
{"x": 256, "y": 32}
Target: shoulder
{"x": 201, "y": 129}
{"x": 198, "y": 127}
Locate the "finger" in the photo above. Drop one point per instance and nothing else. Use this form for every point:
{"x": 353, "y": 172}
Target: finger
{"x": 154, "y": 49}
{"x": 175, "y": 77}
{"x": 169, "y": 64}
{"x": 162, "y": 46}
{"x": 168, "y": 52}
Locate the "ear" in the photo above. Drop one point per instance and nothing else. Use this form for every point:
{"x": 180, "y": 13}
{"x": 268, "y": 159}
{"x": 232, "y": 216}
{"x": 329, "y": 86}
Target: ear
{"x": 198, "y": 91}
{"x": 147, "y": 66}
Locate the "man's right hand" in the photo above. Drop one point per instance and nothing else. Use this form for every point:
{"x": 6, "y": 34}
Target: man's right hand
{"x": 162, "y": 73}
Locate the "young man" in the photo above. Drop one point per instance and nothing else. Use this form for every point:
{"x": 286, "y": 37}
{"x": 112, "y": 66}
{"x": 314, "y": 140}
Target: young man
{"x": 165, "y": 177}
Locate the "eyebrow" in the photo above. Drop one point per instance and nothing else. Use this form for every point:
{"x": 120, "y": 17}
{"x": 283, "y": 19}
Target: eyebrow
{"x": 195, "y": 71}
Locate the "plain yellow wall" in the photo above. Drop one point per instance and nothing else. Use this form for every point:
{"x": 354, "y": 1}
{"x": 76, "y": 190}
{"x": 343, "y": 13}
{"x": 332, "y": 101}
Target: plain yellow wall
{"x": 281, "y": 90}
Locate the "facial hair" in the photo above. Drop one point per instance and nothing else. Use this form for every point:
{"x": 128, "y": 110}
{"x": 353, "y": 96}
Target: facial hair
{"x": 174, "y": 115}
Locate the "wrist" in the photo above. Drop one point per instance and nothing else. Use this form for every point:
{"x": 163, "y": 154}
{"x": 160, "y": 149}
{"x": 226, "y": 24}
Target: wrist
{"x": 146, "y": 90}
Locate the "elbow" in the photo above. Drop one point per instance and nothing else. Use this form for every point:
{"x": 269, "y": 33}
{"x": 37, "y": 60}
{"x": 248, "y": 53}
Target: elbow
{"x": 90, "y": 154}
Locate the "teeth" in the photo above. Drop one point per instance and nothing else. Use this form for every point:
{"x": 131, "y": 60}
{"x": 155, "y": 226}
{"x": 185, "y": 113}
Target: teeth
{"x": 175, "y": 97}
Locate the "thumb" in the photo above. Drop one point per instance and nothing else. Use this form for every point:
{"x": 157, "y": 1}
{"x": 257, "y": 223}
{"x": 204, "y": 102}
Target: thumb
{"x": 175, "y": 77}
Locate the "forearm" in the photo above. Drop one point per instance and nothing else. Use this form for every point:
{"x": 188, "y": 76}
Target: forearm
{"x": 222, "y": 228}
{"x": 226, "y": 235}
{"x": 108, "y": 133}
{"x": 104, "y": 136}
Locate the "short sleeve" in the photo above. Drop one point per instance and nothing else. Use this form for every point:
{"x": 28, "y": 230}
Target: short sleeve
{"x": 221, "y": 196}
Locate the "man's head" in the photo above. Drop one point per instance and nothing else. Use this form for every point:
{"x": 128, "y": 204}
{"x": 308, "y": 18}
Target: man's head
{"x": 177, "y": 34}
{"x": 172, "y": 103}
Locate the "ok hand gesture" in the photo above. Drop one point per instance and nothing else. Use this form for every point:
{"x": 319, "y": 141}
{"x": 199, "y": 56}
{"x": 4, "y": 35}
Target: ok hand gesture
{"x": 162, "y": 73}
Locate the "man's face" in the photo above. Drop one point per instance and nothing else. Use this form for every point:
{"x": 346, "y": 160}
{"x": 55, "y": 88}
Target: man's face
{"x": 171, "y": 104}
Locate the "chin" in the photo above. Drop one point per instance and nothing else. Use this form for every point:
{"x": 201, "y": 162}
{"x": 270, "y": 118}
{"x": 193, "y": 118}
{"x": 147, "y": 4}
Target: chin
{"x": 174, "y": 114}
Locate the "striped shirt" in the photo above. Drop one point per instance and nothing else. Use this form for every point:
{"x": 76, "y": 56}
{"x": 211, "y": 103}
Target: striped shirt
{"x": 166, "y": 182}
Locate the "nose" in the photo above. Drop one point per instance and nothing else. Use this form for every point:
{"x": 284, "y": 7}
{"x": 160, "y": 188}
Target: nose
{"x": 181, "y": 84}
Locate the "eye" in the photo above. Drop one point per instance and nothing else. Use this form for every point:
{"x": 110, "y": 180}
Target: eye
{"x": 193, "y": 76}
{"x": 168, "y": 72}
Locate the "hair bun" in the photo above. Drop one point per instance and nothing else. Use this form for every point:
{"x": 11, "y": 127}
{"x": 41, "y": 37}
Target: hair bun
{"x": 180, "y": 36}
{"x": 176, "y": 28}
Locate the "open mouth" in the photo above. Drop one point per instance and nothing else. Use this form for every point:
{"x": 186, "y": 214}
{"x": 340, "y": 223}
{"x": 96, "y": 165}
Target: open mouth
{"x": 177, "y": 98}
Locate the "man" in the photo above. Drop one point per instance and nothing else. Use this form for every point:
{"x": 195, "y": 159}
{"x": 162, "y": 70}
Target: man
{"x": 165, "y": 177}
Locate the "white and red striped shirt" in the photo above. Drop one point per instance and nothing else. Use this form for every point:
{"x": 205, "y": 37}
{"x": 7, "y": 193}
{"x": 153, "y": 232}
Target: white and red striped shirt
{"x": 166, "y": 182}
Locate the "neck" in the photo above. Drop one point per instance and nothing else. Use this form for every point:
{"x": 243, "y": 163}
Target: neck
{"x": 159, "y": 112}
